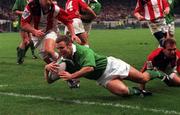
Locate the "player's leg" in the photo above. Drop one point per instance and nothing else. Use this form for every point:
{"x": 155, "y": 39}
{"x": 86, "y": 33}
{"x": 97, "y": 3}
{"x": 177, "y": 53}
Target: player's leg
{"x": 87, "y": 27}
{"x": 152, "y": 74}
{"x": 116, "y": 71}
{"x": 137, "y": 76}
{"x": 21, "y": 48}
{"x": 84, "y": 38}
{"x": 157, "y": 29}
{"x": 116, "y": 86}
{"x": 80, "y": 31}
{"x": 31, "y": 44}
{"x": 49, "y": 45}
{"x": 172, "y": 29}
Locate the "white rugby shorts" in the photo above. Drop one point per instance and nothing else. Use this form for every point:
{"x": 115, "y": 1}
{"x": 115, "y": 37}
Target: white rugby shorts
{"x": 87, "y": 27}
{"x": 39, "y": 42}
{"x": 170, "y": 28}
{"x": 78, "y": 26}
{"x": 157, "y": 25}
{"x": 115, "y": 68}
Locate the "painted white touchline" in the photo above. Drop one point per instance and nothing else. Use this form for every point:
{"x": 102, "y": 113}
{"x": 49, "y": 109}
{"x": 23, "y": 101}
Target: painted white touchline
{"x": 93, "y": 103}
{"x": 3, "y": 85}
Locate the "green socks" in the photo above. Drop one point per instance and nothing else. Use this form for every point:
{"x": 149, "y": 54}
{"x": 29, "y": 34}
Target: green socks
{"x": 20, "y": 55}
{"x": 156, "y": 74}
{"x": 134, "y": 91}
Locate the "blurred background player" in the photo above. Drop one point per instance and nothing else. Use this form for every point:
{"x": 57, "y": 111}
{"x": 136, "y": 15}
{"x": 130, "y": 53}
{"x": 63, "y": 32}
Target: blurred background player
{"x": 164, "y": 63}
{"x": 26, "y": 42}
{"x": 73, "y": 8}
{"x": 96, "y": 7}
{"x": 39, "y": 18}
{"x": 170, "y": 18}
{"x": 153, "y": 11}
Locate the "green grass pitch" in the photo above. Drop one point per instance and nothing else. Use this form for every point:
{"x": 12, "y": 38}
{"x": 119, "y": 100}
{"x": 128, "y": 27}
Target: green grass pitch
{"x": 23, "y": 90}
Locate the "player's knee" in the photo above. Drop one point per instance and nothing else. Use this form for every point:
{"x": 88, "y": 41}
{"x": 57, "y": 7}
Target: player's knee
{"x": 43, "y": 55}
{"x": 49, "y": 57}
{"x": 122, "y": 91}
{"x": 49, "y": 52}
{"x": 145, "y": 79}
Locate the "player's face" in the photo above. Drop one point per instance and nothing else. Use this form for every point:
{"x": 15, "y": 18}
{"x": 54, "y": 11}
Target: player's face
{"x": 64, "y": 50}
{"x": 170, "y": 50}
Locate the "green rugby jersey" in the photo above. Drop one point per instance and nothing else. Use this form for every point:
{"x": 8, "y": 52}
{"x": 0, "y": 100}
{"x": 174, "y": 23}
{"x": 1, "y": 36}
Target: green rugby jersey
{"x": 19, "y": 5}
{"x": 95, "y": 6}
{"x": 84, "y": 56}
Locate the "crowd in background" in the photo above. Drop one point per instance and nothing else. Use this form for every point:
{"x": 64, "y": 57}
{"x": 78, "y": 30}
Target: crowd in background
{"x": 112, "y": 10}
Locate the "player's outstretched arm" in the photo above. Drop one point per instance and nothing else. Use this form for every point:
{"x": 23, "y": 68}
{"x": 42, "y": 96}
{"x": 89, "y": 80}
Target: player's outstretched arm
{"x": 83, "y": 71}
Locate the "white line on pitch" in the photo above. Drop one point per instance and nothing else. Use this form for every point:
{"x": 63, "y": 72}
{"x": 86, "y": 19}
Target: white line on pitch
{"x": 3, "y": 86}
{"x": 173, "y": 112}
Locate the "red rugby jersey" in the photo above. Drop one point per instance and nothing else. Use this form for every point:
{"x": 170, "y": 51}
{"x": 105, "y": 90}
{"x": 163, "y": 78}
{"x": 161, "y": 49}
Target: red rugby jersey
{"x": 151, "y": 9}
{"x": 73, "y": 7}
{"x": 161, "y": 62}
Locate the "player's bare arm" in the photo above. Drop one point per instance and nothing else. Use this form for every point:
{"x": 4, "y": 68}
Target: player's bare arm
{"x": 27, "y": 27}
{"x": 83, "y": 71}
{"x": 139, "y": 16}
{"x": 73, "y": 35}
{"x": 18, "y": 12}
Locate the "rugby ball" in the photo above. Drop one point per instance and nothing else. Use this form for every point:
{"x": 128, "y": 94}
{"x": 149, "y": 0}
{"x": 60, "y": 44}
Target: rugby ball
{"x": 52, "y": 77}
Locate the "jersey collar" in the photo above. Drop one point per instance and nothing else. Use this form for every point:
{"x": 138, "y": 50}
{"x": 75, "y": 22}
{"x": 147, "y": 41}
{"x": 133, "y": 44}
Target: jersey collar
{"x": 74, "y": 49}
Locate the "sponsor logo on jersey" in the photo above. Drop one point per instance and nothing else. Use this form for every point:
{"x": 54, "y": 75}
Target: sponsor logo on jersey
{"x": 25, "y": 14}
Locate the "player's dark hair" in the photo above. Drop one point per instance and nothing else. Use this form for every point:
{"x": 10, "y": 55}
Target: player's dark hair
{"x": 64, "y": 38}
{"x": 168, "y": 41}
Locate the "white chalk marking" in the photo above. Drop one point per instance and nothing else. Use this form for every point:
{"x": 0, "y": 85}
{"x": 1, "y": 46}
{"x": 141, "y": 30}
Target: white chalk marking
{"x": 155, "y": 110}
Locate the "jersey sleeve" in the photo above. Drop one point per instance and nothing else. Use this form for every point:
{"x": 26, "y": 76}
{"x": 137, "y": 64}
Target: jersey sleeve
{"x": 139, "y": 7}
{"x": 26, "y": 16}
{"x": 82, "y": 4}
{"x": 165, "y": 4}
{"x": 87, "y": 58}
{"x": 64, "y": 17}
{"x": 15, "y": 7}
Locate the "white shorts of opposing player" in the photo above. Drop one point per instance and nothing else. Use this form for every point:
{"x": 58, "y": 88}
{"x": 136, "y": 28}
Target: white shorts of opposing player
{"x": 39, "y": 42}
{"x": 157, "y": 25}
{"x": 78, "y": 27}
{"x": 170, "y": 28}
{"x": 115, "y": 68}
{"x": 87, "y": 27}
